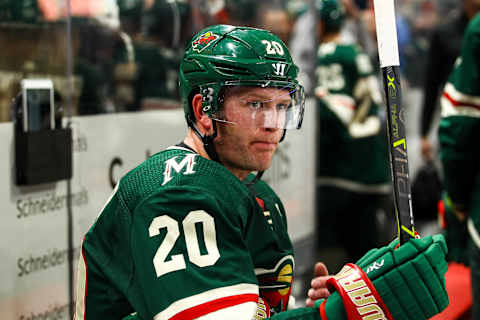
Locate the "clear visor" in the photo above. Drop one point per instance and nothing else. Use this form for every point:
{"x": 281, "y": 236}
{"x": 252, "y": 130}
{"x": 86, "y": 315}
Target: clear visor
{"x": 266, "y": 104}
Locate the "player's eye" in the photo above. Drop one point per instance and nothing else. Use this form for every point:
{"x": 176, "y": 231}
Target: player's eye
{"x": 255, "y": 104}
{"x": 283, "y": 106}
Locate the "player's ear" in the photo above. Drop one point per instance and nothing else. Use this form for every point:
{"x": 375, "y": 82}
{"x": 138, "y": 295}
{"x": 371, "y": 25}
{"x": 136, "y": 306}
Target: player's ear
{"x": 204, "y": 123}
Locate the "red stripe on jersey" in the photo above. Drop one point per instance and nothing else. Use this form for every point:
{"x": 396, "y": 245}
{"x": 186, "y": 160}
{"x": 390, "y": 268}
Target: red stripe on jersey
{"x": 457, "y": 103}
{"x": 215, "y": 305}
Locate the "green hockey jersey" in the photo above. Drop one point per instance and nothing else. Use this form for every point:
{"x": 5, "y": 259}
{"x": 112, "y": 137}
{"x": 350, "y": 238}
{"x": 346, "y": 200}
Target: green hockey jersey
{"x": 182, "y": 237}
{"x": 352, "y": 145}
{"x": 459, "y": 129}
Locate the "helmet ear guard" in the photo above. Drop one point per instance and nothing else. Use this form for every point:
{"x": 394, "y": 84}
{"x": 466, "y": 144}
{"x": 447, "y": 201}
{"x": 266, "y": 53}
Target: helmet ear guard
{"x": 207, "y": 140}
{"x": 210, "y": 97}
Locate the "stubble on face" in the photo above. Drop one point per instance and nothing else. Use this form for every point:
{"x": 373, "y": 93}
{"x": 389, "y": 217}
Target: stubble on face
{"x": 245, "y": 150}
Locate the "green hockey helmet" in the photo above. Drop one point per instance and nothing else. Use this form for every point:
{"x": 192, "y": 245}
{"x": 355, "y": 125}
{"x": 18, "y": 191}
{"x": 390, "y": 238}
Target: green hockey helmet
{"x": 331, "y": 12}
{"x": 221, "y": 57}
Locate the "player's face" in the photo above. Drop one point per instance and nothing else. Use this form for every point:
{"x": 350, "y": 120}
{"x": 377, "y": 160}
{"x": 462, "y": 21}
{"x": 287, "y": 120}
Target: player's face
{"x": 255, "y": 118}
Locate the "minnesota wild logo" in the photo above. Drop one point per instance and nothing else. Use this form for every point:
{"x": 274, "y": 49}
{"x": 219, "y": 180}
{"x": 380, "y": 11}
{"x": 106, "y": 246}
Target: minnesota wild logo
{"x": 204, "y": 40}
{"x": 276, "y": 284}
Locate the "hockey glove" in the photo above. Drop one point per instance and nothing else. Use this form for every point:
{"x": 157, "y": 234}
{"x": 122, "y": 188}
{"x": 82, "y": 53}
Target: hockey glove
{"x": 403, "y": 283}
{"x": 455, "y": 230}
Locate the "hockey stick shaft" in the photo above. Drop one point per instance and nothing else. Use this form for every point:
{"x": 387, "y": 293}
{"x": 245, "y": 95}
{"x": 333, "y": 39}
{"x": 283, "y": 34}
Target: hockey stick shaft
{"x": 389, "y": 63}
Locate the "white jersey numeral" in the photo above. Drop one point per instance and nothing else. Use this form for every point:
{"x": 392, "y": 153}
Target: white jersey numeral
{"x": 273, "y": 47}
{"x": 192, "y": 241}
{"x": 331, "y": 76}
{"x": 176, "y": 262}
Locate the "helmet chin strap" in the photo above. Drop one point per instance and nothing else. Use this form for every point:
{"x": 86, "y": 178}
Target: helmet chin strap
{"x": 208, "y": 143}
{"x": 250, "y": 184}
{"x": 206, "y": 140}
{"x": 283, "y": 135}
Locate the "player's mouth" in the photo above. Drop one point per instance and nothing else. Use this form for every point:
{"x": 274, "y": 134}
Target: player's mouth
{"x": 265, "y": 145}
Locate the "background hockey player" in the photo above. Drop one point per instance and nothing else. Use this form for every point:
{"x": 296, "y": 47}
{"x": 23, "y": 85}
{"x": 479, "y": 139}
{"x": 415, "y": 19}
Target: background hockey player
{"x": 352, "y": 167}
{"x": 459, "y": 130}
{"x": 444, "y": 48}
{"x": 189, "y": 234}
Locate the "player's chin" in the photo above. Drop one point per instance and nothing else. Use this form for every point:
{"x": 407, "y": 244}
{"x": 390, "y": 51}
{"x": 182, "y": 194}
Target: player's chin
{"x": 263, "y": 161}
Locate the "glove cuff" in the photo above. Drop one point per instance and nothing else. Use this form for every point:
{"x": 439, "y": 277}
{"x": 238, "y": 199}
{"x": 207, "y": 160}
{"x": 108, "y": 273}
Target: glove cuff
{"x": 323, "y": 313}
{"x": 263, "y": 310}
{"x": 360, "y": 298}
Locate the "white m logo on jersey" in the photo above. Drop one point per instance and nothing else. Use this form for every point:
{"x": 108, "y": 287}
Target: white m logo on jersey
{"x": 171, "y": 164}
{"x": 279, "y": 68}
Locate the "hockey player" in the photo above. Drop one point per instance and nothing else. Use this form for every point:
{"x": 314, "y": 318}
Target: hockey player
{"x": 352, "y": 167}
{"x": 191, "y": 234}
{"x": 459, "y": 130}
{"x": 443, "y": 48}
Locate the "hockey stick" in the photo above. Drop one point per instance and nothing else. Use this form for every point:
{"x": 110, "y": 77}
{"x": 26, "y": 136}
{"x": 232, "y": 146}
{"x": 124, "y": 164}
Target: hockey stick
{"x": 389, "y": 63}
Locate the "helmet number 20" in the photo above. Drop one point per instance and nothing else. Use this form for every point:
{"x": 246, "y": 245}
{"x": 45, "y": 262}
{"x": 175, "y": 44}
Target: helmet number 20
{"x": 273, "y": 47}
{"x": 195, "y": 256}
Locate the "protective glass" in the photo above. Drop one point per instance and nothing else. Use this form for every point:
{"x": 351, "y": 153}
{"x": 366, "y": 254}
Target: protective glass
{"x": 261, "y": 104}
